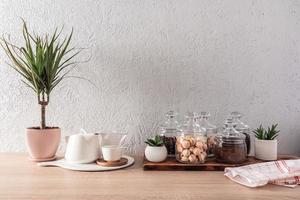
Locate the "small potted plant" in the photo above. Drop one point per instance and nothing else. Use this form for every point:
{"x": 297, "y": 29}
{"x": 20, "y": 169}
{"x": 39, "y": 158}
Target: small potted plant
{"x": 43, "y": 62}
{"x": 155, "y": 150}
{"x": 266, "y": 142}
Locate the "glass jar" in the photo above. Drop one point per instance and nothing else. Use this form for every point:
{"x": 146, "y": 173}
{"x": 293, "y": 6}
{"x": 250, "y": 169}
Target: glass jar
{"x": 191, "y": 144}
{"x": 242, "y": 128}
{"x": 168, "y": 132}
{"x": 210, "y": 131}
{"x": 230, "y": 145}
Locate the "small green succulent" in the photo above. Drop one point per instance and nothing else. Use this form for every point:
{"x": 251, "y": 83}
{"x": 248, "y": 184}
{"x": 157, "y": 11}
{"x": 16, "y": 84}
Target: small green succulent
{"x": 270, "y": 134}
{"x": 155, "y": 142}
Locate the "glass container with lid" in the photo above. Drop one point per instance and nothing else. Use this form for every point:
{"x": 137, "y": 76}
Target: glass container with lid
{"x": 169, "y": 130}
{"x": 191, "y": 144}
{"x": 242, "y": 128}
{"x": 230, "y": 145}
{"x": 210, "y": 130}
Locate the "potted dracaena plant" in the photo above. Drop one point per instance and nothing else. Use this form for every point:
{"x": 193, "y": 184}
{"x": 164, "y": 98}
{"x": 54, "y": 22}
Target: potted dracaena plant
{"x": 43, "y": 62}
{"x": 155, "y": 150}
{"x": 266, "y": 142}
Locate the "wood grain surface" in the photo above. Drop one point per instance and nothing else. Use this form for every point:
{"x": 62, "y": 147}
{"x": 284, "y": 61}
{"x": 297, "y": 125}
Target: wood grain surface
{"x": 21, "y": 179}
{"x": 209, "y": 165}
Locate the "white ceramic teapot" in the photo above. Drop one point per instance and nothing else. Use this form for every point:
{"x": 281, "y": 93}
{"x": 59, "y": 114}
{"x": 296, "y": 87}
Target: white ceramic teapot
{"x": 83, "y": 148}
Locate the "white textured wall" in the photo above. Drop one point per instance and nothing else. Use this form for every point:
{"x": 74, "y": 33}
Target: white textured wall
{"x": 151, "y": 56}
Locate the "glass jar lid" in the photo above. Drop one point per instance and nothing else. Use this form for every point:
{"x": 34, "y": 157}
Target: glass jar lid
{"x": 170, "y": 125}
{"x": 230, "y": 135}
{"x": 191, "y": 125}
{"x": 205, "y": 124}
{"x": 238, "y": 124}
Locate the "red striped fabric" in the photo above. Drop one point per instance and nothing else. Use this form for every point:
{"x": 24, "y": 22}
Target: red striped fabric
{"x": 283, "y": 172}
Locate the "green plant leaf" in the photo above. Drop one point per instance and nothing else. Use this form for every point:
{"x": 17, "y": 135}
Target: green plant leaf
{"x": 149, "y": 143}
{"x": 266, "y": 134}
{"x": 42, "y": 61}
{"x": 259, "y": 132}
{"x": 156, "y": 141}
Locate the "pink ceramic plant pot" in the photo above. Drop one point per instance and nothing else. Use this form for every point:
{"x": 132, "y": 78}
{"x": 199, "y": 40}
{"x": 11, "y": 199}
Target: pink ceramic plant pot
{"x": 42, "y": 144}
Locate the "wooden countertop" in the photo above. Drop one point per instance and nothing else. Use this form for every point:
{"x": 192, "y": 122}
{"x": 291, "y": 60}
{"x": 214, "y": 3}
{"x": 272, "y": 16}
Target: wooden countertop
{"x": 21, "y": 179}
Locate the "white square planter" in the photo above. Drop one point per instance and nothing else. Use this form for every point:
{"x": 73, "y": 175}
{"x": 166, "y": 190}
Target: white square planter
{"x": 266, "y": 149}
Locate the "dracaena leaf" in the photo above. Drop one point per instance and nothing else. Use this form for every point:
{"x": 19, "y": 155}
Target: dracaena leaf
{"x": 42, "y": 60}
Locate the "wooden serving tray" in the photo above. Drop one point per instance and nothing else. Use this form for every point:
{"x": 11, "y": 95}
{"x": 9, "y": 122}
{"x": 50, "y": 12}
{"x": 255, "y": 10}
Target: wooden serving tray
{"x": 209, "y": 165}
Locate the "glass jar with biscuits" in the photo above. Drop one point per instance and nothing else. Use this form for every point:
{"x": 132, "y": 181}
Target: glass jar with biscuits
{"x": 191, "y": 143}
{"x": 210, "y": 131}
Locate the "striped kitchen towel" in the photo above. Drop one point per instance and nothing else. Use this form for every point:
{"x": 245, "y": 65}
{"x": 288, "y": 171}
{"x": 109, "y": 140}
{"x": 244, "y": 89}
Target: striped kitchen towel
{"x": 282, "y": 172}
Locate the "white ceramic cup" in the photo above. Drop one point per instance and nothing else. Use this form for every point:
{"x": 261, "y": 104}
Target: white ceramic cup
{"x": 111, "y": 152}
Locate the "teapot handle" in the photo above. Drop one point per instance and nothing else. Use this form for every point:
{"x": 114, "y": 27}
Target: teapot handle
{"x": 122, "y": 140}
{"x": 99, "y": 138}
{"x": 67, "y": 138}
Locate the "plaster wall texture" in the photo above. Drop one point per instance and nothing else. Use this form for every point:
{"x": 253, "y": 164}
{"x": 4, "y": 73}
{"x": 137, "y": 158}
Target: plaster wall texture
{"x": 148, "y": 57}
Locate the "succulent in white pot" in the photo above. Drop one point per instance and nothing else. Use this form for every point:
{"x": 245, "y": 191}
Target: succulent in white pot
{"x": 266, "y": 142}
{"x": 155, "y": 150}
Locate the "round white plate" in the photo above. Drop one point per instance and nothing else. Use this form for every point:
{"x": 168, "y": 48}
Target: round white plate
{"x": 91, "y": 167}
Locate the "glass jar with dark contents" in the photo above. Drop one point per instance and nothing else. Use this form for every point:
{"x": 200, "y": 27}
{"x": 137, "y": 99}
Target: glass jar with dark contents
{"x": 242, "y": 128}
{"x": 230, "y": 145}
{"x": 168, "y": 132}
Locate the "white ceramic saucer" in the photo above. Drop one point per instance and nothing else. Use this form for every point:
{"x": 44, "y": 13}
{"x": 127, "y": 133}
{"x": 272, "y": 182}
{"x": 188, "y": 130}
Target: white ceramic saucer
{"x": 91, "y": 167}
